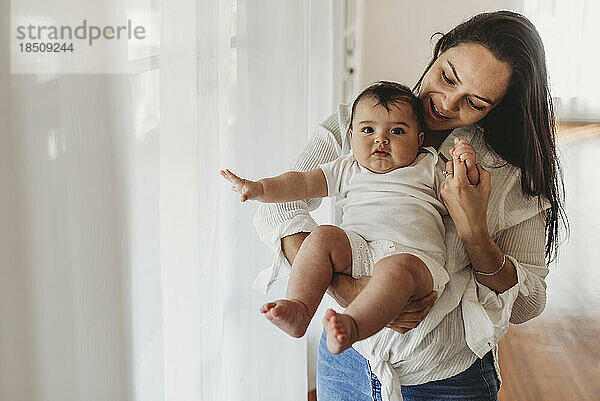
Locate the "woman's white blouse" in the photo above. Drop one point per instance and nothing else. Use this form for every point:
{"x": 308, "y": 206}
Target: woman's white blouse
{"x": 468, "y": 318}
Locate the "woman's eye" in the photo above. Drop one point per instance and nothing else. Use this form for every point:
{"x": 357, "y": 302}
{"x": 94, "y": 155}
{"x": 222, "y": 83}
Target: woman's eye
{"x": 473, "y": 105}
{"x": 446, "y": 78}
{"x": 397, "y": 131}
{"x": 367, "y": 130}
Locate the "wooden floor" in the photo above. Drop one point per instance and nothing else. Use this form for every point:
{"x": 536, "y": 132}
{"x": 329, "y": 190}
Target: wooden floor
{"x": 556, "y": 357}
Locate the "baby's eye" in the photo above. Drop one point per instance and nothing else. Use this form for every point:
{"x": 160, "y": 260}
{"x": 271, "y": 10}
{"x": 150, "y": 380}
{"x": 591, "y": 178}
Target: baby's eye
{"x": 397, "y": 131}
{"x": 367, "y": 130}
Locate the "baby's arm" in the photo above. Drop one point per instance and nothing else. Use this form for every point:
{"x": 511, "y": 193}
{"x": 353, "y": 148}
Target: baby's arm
{"x": 290, "y": 186}
{"x": 466, "y": 153}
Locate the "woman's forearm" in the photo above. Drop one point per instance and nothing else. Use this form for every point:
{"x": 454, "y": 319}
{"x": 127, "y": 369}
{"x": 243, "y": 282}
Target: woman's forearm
{"x": 487, "y": 257}
{"x": 467, "y": 205}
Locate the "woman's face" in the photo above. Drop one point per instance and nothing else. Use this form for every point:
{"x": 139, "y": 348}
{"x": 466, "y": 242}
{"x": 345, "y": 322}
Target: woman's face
{"x": 462, "y": 86}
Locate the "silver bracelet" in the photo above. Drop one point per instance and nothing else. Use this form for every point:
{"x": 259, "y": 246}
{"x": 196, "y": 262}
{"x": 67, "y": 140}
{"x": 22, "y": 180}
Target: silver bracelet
{"x": 495, "y": 272}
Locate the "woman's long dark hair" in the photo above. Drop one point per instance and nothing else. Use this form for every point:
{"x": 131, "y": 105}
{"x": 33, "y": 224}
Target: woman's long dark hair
{"x": 521, "y": 129}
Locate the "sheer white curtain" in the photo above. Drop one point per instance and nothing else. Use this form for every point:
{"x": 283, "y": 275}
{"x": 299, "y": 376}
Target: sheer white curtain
{"x": 570, "y": 31}
{"x": 126, "y": 262}
{"x": 274, "y": 84}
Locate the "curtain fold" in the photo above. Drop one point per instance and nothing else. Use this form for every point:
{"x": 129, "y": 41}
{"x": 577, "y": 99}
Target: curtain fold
{"x": 126, "y": 261}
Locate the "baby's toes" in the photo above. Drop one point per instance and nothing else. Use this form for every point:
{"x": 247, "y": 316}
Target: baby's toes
{"x": 268, "y": 309}
{"x": 336, "y": 324}
{"x": 329, "y": 315}
{"x": 340, "y": 333}
{"x": 276, "y": 312}
{"x": 333, "y": 322}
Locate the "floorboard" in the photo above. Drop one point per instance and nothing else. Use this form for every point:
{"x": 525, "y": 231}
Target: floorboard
{"x": 556, "y": 357}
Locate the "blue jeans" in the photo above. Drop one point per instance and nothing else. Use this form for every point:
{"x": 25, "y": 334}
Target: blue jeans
{"x": 348, "y": 377}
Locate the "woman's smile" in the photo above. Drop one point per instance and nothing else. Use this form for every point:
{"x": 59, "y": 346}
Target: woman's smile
{"x": 435, "y": 114}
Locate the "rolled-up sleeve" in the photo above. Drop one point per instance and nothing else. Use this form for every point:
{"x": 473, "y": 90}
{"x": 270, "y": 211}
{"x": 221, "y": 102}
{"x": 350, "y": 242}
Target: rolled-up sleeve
{"x": 274, "y": 221}
{"x": 524, "y": 245}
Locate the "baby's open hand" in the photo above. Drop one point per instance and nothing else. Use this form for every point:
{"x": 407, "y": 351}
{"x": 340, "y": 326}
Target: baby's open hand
{"x": 248, "y": 189}
{"x": 465, "y": 152}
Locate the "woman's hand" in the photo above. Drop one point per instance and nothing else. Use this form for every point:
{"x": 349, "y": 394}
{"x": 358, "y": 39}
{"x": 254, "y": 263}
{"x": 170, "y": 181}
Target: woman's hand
{"x": 413, "y": 314}
{"x": 466, "y": 203}
{"x": 344, "y": 289}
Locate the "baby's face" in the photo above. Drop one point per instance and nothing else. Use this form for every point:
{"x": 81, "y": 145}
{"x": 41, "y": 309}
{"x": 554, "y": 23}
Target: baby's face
{"x": 384, "y": 141}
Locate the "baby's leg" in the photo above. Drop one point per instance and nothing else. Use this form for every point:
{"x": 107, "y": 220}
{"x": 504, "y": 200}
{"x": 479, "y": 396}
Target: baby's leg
{"x": 324, "y": 252}
{"x": 396, "y": 279}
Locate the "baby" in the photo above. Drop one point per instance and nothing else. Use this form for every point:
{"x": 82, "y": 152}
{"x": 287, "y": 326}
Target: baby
{"x": 392, "y": 227}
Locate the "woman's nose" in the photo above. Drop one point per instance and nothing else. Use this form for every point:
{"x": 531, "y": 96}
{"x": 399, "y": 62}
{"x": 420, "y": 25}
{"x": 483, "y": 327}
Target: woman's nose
{"x": 450, "y": 102}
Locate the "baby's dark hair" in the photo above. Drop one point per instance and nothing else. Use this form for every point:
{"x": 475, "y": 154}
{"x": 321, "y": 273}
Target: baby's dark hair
{"x": 387, "y": 94}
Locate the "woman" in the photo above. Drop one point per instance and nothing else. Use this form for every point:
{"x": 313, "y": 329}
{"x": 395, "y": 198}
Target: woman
{"x": 486, "y": 83}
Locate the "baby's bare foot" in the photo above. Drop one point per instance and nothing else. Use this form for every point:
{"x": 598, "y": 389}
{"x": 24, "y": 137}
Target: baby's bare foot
{"x": 341, "y": 331}
{"x": 289, "y": 315}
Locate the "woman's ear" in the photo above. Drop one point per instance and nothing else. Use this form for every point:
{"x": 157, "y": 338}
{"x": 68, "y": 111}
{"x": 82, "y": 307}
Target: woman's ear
{"x": 421, "y": 137}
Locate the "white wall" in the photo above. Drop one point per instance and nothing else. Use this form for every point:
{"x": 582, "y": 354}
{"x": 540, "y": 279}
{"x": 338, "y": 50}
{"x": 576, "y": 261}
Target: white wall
{"x": 394, "y": 35}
